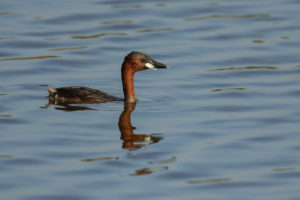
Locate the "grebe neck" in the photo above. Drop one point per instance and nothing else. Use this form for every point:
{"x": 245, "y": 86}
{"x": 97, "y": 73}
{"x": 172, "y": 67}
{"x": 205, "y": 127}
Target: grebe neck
{"x": 128, "y": 85}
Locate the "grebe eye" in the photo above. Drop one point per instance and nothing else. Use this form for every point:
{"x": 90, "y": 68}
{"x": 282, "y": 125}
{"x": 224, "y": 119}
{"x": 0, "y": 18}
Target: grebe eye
{"x": 144, "y": 60}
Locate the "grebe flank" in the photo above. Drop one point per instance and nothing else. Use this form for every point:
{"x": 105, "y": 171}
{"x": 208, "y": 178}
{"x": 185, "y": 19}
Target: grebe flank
{"x": 133, "y": 62}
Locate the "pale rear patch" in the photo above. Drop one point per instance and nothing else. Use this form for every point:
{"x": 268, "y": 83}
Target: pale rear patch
{"x": 50, "y": 89}
{"x": 149, "y": 65}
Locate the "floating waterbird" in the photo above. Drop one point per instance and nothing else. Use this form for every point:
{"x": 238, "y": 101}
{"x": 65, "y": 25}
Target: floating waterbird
{"x": 133, "y": 62}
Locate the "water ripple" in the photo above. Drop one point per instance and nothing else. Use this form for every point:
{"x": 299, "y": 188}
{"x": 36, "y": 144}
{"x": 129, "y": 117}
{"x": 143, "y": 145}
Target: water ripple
{"x": 244, "y": 68}
{"x": 216, "y": 180}
{"x": 117, "y": 22}
{"x": 100, "y": 159}
{"x": 227, "y": 17}
{"x": 128, "y": 6}
{"x": 227, "y": 89}
{"x": 227, "y": 110}
{"x": 68, "y": 48}
{"x": 98, "y": 35}
{"x": 155, "y": 30}
{"x": 6, "y": 13}
{"x": 29, "y": 58}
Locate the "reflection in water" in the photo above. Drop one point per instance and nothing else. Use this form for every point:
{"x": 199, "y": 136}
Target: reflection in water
{"x": 130, "y": 139}
{"x": 73, "y": 108}
{"x": 65, "y": 106}
{"x": 133, "y": 141}
{"x": 151, "y": 170}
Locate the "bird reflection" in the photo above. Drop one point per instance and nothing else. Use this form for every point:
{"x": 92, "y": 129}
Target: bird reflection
{"x": 65, "y": 106}
{"x": 131, "y": 140}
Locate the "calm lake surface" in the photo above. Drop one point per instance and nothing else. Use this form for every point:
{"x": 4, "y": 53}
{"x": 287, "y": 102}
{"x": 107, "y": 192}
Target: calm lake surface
{"x": 222, "y": 123}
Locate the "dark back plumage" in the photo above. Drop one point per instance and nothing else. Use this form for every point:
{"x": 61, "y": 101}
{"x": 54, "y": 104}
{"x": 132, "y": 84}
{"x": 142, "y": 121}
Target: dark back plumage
{"x": 78, "y": 94}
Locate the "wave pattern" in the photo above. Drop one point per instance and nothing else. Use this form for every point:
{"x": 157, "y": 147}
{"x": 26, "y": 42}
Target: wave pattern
{"x": 221, "y": 123}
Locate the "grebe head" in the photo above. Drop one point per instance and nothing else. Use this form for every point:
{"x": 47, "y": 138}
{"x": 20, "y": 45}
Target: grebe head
{"x": 137, "y": 61}
{"x": 134, "y": 62}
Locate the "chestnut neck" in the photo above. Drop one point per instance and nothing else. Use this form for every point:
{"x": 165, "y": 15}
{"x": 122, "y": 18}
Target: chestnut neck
{"x": 127, "y": 81}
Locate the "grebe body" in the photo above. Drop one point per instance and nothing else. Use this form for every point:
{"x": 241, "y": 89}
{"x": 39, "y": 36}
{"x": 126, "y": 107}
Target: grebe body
{"x": 133, "y": 62}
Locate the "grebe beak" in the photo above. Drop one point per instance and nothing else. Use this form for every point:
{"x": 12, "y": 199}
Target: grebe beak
{"x": 155, "y": 65}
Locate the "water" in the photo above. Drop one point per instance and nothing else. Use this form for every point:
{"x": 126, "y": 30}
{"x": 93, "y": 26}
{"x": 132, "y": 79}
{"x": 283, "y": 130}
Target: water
{"x": 221, "y": 123}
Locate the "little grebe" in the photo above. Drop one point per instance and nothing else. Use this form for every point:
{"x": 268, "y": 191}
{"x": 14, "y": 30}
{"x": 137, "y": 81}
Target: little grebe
{"x": 133, "y": 62}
